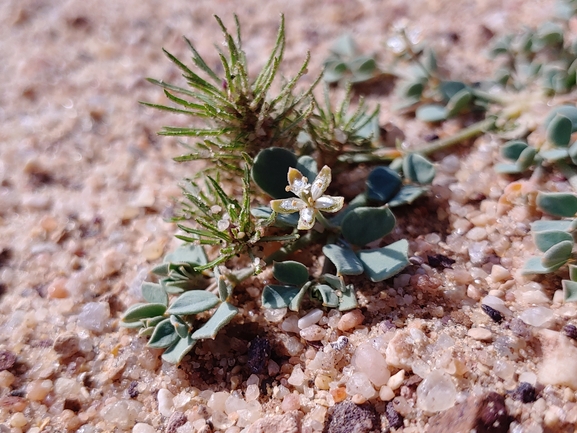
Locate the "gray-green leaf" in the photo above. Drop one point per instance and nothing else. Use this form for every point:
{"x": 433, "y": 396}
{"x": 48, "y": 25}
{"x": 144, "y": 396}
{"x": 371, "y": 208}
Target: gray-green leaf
{"x": 569, "y": 290}
{"x": 559, "y": 131}
{"x": 277, "y": 296}
{"x": 193, "y": 302}
{"x": 431, "y": 113}
{"x": 328, "y": 295}
{"x": 383, "y": 263}
{"x": 163, "y": 335}
{"x": 558, "y": 254}
{"x": 154, "y": 293}
{"x": 143, "y": 311}
{"x": 366, "y": 224}
{"x": 178, "y": 350}
{"x": 290, "y": 272}
{"x": 418, "y": 169}
{"x": 557, "y": 203}
{"x": 344, "y": 259}
{"x": 221, "y": 317}
{"x": 546, "y": 239}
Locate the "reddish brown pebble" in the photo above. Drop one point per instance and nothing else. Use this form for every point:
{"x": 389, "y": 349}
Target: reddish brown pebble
{"x": 57, "y": 290}
{"x": 350, "y": 320}
{"x": 7, "y": 360}
{"x": 339, "y": 394}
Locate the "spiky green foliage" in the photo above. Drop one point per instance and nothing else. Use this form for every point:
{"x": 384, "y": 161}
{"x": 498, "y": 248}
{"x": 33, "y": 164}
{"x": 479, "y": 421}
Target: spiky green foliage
{"x": 237, "y": 114}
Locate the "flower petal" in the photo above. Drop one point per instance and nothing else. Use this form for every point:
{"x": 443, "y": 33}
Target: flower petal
{"x": 321, "y": 182}
{"x": 297, "y": 182}
{"x": 287, "y": 205}
{"x": 328, "y": 203}
{"x": 307, "y": 219}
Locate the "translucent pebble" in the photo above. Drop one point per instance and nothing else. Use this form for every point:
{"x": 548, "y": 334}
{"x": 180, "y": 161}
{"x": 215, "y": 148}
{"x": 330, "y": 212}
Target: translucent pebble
{"x": 273, "y": 368}
{"x": 368, "y": 360}
{"x": 274, "y": 315}
{"x": 94, "y": 316}
{"x": 529, "y": 377}
{"x": 67, "y": 388}
{"x": 217, "y": 401}
{"x": 350, "y": 320}
{"x": 313, "y": 333}
{"x": 421, "y": 368}
{"x": 359, "y": 383}
{"x": 436, "y": 392}
{"x": 165, "y": 402}
{"x": 253, "y": 379}
{"x": 252, "y": 393}
{"x": 499, "y": 273}
{"x": 37, "y": 390}
{"x": 143, "y": 428}
{"x": 122, "y": 413}
{"x": 309, "y": 319}
{"x": 18, "y": 420}
{"x": 234, "y": 404}
{"x": 221, "y": 421}
{"x": 290, "y": 324}
{"x": 477, "y": 252}
{"x": 504, "y": 369}
{"x": 297, "y": 376}
{"x": 396, "y": 380}
{"x": 293, "y": 346}
{"x": 477, "y": 234}
{"x": 291, "y": 402}
{"x": 537, "y": 316}
{"x": 496, "y": 304}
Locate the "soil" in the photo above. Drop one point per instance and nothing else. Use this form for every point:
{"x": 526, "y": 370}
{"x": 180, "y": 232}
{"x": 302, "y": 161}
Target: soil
{"x": 87, "y": 188}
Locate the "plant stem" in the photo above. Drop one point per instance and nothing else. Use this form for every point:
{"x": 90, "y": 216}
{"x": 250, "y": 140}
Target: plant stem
{"x": 240, "y": 275}
{"x": 464, "y": 134}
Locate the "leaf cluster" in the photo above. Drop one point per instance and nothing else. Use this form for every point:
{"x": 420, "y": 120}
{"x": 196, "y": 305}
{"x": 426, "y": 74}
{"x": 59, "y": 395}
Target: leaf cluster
{"x": 346, "y": 63}
{"x": 557, "y": 150}
{"x": 175, "y": 326}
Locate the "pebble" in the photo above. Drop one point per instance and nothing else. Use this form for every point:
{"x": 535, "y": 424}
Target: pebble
{"x": 525, "y": 392}
{"x": 499, "y": 273}
{"x": 396, "y": 380}
{"x": 436, "y": 392}
{"x": 480, "y": 334}
{"x": 313, "y": 333}
{"x": 165, "y": 402}
{"x": 495, "y": 315}
{"x": 359, "y": 383}
{"x": 287, "y": 423}
{"x": 309, "y": 319}
{"x": 290, "y": 324}
{"x": 371, "y": 362}
{"x": 176, "y": 420}
{"x": 291, "y": 402}
{"x": 94, "y": 316}
{"x": 122, "y": 414}
{"x": 537, "y": 316}
{"x": 496, "y": 304}
{"x": 394, "y": 418}
{"x": 6, "y": 379}
{"x": 217, "y": 401}
{"x": 386, "y": 393}
{"x": 57, "y": 290}
{"x": 7, "y": 360}
{"x": 350, "y": 320}
{"x": 297, "y": 376}
{"x": 477, "y": 234}
{"x": 143, "y": 428}
{"x": 37, "y": 390}
{"x": 67, "y": 345}
{"x": 559, "y": 360}
{"x": 347, "y": 417}
{"x": 18, "y": 420}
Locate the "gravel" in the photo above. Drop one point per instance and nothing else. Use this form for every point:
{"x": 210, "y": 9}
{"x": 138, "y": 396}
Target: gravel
{"x": 87, "y": 188}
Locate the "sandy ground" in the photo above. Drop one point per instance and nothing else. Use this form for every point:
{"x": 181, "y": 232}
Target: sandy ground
{"x": 86, "y": 186}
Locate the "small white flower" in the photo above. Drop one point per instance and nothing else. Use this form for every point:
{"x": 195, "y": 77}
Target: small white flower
{"x": 310, "y": 197}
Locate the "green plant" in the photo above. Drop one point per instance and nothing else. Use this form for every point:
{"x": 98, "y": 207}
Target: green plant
{"x": 346, "y": 63}
{"x": 237, "y": 113}
{"x": 253, "y": 136}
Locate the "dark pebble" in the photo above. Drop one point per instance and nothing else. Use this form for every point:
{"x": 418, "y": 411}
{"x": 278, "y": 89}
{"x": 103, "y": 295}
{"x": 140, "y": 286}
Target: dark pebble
{"x": 395, "y": 418}
{"x": 570, "y": 331}
{"x": 525, "y": 392}
{"x": 258, "y": 355}
{"x": 7, "y": 360}
{"x": 347, "y": 417}
{"x": 176, "y": 420}
{"x": 492, "y": 313}
{"x": 492, "y": 415}
{"x": 440, "y": 261}
{"x": 132, "y": 389}
{"x": 72, "y": 404}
